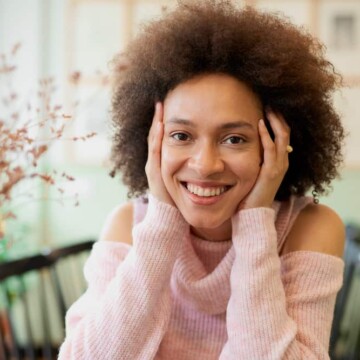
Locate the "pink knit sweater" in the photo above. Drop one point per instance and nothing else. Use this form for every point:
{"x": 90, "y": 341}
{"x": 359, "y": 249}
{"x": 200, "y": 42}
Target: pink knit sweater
{"x": 174, "y": 296}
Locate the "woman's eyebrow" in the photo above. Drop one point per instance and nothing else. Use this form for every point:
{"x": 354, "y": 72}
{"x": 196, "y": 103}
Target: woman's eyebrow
{"x": 180, "y": 121}
{"x": 237, "y": 124}
{"x": 225, "y": 126}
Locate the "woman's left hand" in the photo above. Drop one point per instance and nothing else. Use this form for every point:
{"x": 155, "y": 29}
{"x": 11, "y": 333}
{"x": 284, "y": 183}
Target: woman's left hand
{"x": 275, "y": 163}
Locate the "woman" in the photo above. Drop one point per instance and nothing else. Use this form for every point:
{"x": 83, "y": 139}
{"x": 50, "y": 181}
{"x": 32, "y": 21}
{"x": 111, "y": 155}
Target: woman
{"x": 223, "y": 116}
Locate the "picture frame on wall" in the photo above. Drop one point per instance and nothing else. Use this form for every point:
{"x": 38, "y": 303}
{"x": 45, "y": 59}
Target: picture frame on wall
{"x": 339, "y": 31}
{"x": 343, "y": 31}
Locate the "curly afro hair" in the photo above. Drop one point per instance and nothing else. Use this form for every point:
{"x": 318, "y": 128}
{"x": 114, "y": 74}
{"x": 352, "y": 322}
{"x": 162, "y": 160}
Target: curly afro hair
{"x": 283, "y": 64}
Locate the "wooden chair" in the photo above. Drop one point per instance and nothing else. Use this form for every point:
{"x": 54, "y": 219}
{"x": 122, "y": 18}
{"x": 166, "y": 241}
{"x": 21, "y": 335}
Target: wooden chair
{"x": 35, "y": 293}
{"x": 345, "y": 335}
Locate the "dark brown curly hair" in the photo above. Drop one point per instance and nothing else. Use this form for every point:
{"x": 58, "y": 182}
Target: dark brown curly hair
{"x": 283, "y": 64}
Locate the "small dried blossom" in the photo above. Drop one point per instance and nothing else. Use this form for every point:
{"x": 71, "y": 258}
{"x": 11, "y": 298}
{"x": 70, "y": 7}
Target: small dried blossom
{"x": 26, "y": 134}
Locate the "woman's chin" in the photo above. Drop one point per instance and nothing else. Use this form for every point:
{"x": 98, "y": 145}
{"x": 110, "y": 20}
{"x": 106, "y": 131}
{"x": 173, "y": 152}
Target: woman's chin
{"x": 210, "y": 226}
{"x": 201, "y": 222}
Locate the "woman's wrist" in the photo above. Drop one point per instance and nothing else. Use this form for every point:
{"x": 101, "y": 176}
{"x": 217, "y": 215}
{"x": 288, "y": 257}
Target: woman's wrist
{"x": 161, "y": 231}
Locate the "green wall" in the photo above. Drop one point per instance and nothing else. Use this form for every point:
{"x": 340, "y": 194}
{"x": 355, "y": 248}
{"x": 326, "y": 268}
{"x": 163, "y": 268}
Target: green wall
{"x": 98, "y": 195}
{"x": 345, "y": 197}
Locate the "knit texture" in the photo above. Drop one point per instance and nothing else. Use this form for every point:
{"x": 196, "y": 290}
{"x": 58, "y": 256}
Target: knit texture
{"x": 174, "y": 296}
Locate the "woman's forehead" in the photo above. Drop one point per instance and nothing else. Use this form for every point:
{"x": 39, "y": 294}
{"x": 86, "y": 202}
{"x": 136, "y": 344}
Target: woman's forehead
{"x": 219, "y": 98}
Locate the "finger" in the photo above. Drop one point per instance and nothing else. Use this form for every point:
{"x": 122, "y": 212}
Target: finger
{"x": 281, "y": 132}
{"x": 156, "y": 136}
{"x": 156, "y": 119}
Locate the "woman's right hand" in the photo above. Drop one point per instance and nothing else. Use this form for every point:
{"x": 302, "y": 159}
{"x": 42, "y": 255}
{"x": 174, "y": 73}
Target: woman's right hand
{"x": 153, "y": 165}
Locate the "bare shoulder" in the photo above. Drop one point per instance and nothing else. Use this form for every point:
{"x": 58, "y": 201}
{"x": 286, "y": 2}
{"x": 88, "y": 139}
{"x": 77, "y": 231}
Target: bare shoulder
{"x": 118, "y": 225}
{"x": 317, "y": 228}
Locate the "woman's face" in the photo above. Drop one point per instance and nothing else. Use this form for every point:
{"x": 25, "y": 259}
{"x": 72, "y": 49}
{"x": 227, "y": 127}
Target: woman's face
{"x": 211, "y": 151}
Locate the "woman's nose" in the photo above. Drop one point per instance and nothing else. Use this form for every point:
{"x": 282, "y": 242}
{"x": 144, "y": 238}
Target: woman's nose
{"x": 206, "y": 160}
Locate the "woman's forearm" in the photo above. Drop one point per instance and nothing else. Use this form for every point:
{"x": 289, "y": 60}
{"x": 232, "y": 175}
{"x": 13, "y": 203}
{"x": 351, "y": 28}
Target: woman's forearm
{"x": 278, "y": 310}
{"x": 131, "y": 317}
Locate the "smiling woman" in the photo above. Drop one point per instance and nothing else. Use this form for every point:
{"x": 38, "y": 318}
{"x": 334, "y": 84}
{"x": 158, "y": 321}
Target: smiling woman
{"x": 222, "y": 123}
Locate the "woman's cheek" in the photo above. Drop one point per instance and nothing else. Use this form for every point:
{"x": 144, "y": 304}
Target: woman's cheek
{"x": 246, "y": 169}
{"x": 255, "y": 171}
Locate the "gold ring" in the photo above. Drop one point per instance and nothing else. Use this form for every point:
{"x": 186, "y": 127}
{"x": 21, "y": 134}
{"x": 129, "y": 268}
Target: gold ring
{"x": 289, "y": 149}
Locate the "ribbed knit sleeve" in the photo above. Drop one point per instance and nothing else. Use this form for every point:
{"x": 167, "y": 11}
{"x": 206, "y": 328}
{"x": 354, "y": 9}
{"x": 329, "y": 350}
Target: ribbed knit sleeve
{"x": 279, "y": 308}
{"x": 126, "y": 309}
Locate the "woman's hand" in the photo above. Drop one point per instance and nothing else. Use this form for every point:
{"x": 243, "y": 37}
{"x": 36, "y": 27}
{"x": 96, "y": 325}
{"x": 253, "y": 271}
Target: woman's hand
{"x": 153, "y": 164}
{"x": 275, "y": 163}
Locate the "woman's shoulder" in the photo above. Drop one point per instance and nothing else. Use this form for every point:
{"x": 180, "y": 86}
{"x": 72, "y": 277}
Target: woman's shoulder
{"x": 316, "y": 228}
{"x": 118, "y": 224}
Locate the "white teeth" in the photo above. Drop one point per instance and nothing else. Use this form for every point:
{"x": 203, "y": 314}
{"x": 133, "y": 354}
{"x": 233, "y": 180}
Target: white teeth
{"x": 205, "y": 192}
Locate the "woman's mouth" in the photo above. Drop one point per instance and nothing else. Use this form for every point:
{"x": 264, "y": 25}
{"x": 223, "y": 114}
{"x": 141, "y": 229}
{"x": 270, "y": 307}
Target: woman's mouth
{"x": 205, "y": 191}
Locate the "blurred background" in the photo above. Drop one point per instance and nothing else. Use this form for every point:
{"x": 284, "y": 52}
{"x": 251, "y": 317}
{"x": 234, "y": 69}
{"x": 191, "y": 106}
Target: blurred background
{"x": 73, "y": 42}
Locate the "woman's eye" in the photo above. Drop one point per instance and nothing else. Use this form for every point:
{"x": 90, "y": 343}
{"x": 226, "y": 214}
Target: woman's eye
{"x": 180, "y": 136}
{"x": 233, "y": 140}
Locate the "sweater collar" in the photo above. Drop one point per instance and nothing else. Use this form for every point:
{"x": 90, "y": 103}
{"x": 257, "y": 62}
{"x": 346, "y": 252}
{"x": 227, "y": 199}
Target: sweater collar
{"x": 201, "y": 273}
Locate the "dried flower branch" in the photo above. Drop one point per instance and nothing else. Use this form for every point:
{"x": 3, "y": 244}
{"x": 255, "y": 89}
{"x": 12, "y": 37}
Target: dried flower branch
{"x": 26, "y": 134}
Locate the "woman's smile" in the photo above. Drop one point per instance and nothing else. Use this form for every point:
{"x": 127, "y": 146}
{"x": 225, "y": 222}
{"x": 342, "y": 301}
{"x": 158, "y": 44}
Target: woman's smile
{"x": 205, "y": 193}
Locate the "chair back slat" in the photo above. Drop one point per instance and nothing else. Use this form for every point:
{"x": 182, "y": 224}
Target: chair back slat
{"x": 29, "y": 346}
{"x": 58, "y": 293}
{"x": 47, "y": 352}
